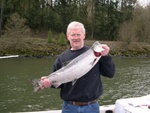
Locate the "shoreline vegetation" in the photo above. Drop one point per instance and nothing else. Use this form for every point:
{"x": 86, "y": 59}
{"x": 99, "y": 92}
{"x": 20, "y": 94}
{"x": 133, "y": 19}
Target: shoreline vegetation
{"x": 35, "y": 31}
{"x": 23, "y": 35}
{"x": 38, "y": 47}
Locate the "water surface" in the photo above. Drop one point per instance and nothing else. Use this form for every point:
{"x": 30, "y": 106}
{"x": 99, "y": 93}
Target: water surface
{"x": 132, "y": 75}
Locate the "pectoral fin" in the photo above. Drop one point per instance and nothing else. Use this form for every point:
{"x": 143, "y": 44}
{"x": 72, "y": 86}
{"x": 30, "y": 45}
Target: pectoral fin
{"x": 94, "y": 61}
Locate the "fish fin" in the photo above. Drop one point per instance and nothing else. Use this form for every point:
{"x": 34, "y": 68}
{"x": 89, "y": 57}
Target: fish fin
{"x": 73, "y": 82}
{"x": 94, "y": 61}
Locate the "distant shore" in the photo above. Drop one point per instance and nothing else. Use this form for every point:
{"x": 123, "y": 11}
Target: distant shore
{"x": 37, "y": 47}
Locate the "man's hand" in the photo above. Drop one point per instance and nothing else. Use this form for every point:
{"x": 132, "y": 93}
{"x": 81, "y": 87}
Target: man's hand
{"x": 45, "y": 83}
{"x": 106, "y": 50}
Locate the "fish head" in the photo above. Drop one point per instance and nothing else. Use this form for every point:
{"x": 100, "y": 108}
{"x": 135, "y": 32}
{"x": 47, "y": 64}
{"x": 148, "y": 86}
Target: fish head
{"x": 97, "y": 49}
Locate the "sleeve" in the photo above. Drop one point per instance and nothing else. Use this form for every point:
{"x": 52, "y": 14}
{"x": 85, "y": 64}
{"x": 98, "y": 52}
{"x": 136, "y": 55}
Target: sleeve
{"x": 107, "y": 66}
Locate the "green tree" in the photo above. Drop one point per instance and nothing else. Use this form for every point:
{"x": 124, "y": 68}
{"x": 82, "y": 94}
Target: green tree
{"x": 101, "y": 18}
{"x": 62, "y": 39}
{"x": 49, "y": 36}
{"x": 15, "y": 27}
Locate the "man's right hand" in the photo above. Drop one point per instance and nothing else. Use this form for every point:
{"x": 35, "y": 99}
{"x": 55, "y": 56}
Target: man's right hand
{"x": 45, "y": 83}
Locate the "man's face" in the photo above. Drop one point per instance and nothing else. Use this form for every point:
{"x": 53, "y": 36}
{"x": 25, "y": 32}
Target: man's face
{"x": 76, "y": 38}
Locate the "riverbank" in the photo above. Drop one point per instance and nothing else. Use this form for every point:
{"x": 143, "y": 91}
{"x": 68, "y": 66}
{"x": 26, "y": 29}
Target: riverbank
{"x": 38, "y": 47}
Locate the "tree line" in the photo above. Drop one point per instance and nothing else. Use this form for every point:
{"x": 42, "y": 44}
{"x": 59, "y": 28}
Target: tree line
{"x": 102, "y": 18}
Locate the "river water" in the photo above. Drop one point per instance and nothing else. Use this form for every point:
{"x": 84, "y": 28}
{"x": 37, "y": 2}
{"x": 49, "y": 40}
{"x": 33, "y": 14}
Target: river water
{"x": 132, "y": 78}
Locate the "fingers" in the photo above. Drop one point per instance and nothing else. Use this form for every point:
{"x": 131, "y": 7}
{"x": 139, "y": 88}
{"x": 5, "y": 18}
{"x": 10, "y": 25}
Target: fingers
{"x": 106, "y": 50}
{"x": 45, "y": 83}
{"x": 42, "y": 78}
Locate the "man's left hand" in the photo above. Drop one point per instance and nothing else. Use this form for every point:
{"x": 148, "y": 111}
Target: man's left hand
{"x": 106, "y": 50}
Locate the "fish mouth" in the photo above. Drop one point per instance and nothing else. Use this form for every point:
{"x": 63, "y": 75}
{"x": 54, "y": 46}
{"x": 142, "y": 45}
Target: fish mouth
{"x": 98, "y": 49}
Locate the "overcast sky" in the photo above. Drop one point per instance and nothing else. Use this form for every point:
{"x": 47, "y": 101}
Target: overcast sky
{"x": 144, "y": 2}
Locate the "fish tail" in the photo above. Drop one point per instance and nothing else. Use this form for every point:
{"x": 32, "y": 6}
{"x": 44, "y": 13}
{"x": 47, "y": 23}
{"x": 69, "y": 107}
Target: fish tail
{"x": 36, "y": 85}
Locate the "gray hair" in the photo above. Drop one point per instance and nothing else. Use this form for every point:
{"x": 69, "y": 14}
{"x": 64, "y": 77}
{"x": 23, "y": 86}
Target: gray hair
{"x": 74, "y": 25}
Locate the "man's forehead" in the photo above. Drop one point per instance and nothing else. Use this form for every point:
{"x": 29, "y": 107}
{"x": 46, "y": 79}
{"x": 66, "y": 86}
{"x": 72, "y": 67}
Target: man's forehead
{"x": 76, "y": 29}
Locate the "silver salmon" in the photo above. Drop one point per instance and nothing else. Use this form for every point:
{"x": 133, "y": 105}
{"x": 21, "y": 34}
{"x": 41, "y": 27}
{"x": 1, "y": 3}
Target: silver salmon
{"x": 75, "y": 69}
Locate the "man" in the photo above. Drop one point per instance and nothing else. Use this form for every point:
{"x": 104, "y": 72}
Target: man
{"x": 82, "y": 97}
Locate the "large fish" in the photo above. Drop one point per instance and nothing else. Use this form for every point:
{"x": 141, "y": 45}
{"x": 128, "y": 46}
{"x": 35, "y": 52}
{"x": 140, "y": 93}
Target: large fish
{"x": 75, "y": 69}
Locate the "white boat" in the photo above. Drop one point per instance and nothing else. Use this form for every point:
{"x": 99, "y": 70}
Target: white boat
{"x": 10, "y": 56}
{"x": 103, "y": 109}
